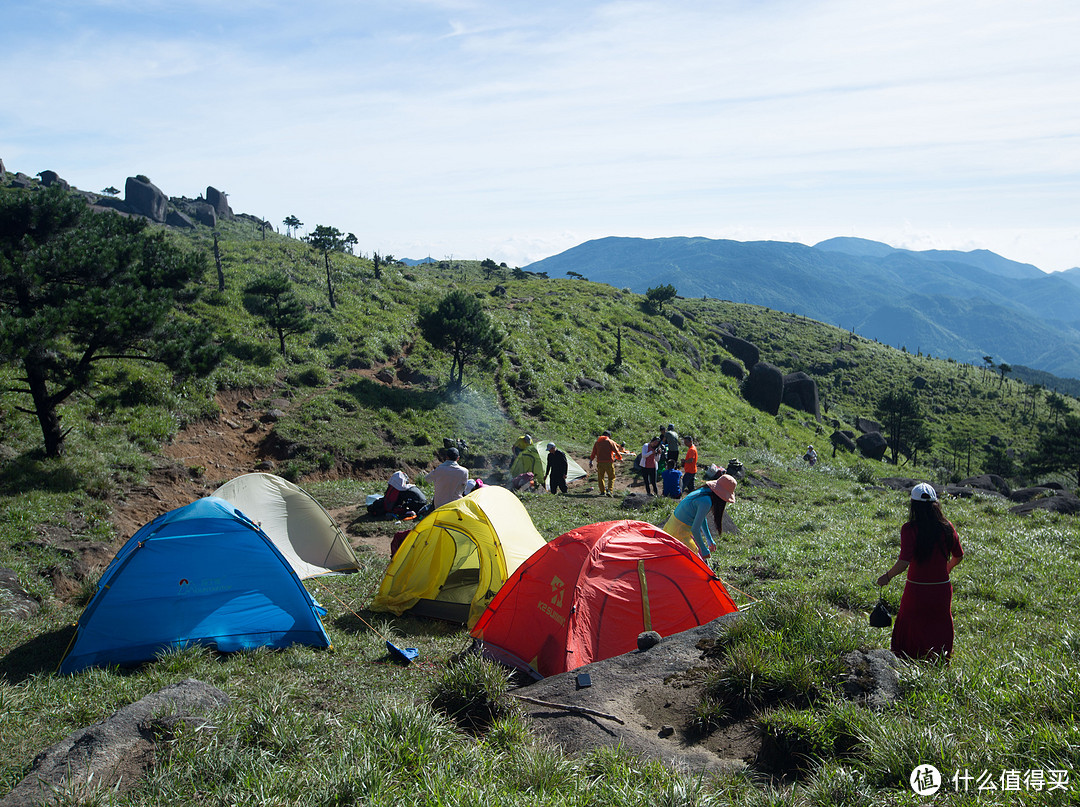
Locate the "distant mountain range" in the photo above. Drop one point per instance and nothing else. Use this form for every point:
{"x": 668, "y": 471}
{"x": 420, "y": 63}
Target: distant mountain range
{"x": 961, "y": 305}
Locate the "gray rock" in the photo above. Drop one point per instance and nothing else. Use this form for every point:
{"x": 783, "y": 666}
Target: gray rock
{"x": 205, "y": 214}
{"x": 647, "y": 639}
{"x": 871, "y": 677}
{"x": 1023, "y": 495}
{"x": 800, "y": 392}
{"x": 617, "y": 687}
{"x": 991, "y": 483}
{"x": 112, "y": 204}
{"x": 1064, "y": 502}
{"x": 635, "y": 501}
{"x": 584, "y": 383}
{"x": 15, "y": 601}
{"x": 732, "y": 369}
{"x": 217, "y": 200}
{"x": 114, "y": 754}
{"x": 146, "y": 199}
{"x": 50, "y": 178}
{"x": 842, "y": 440}
{"x": 764, "y": 389}
{"x": 174, "y": 218}
{"x": 865, "y": 425}
{"x": 744, "y": 351}
{"x": 872, "y": 445}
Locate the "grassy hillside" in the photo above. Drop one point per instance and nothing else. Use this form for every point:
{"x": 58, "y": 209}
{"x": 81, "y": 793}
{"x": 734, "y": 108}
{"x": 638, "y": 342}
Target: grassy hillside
{"x": 346, "y": 727}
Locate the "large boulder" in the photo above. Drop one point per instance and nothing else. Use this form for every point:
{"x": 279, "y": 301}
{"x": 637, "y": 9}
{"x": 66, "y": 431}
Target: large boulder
{"x": 217, "y": 200}
{"x": 865, "y": 425}
{"x": 146, "y": 199}
{"x": 800, "y": 392}
{"x": 1056, "y": 501}
{"x": 111, "y": 756}
{"x": 732, "y": 369}
{"x": 991, "y": 483}
{"x": 843, "y": 440}
{"x": 746, "y": 352}
{"x": 174, "y": 218}
{"x": 205, "y": 214}
{"x": 872, "y": 445}
{"x": 50, "y": 178}
{"x": 764, "y": 389}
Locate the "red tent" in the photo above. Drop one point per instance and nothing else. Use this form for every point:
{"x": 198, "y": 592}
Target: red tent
{"x": 588, "y": 594}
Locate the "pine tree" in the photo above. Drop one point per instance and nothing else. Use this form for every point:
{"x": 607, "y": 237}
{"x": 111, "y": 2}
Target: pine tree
{"x": 78, "y": 289}
{"x": 461, "y": 327}
{"x": 272, "y": 299}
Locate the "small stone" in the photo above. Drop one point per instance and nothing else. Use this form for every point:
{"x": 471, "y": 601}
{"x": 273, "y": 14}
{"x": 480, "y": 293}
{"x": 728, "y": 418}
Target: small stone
{"x": 648, "y": 639}
{"x": 666, "y": 731}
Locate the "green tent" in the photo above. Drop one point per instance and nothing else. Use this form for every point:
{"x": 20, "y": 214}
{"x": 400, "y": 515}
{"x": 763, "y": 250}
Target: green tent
{"x": 534, "y": 460}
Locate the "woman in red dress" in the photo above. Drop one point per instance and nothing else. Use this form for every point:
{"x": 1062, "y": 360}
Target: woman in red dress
{"x": 929, "y": 550}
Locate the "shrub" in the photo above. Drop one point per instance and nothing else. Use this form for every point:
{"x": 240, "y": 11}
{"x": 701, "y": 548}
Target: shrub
{"x": 473, "y": 692}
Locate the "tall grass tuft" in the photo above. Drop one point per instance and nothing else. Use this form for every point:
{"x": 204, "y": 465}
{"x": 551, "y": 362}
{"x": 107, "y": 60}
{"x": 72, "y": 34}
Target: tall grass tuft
{"x": 473, "y": 692}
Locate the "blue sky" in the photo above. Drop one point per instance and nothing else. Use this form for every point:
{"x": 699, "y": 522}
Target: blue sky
{"x": 515, "y": 130}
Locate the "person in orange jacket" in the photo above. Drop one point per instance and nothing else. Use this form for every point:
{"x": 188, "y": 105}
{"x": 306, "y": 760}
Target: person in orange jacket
{"x": 605, "y": 452}
{"x": 689, "y": 465}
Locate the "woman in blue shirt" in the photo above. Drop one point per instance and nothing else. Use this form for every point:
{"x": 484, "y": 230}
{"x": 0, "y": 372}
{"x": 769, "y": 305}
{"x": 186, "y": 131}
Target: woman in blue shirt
{"x": 690, "y": 521}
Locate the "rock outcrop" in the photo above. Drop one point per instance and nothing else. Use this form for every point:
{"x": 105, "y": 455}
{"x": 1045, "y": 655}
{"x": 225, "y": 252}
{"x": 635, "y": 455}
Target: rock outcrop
{"x": 217, "y": 200}
{"x": 144, "y": 198}
{"x": 800, "y": 392}
{"x": 732, "y": 369}
{"x": 872, "y": 445}
{"x": 50, "y": 178}
{"x": 744, "y": 351}
{"x": 764, "y": 388}
{"x": 113, "y": 755}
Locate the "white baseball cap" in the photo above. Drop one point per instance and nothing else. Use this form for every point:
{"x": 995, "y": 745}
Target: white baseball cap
{"x": 923, "y": 492}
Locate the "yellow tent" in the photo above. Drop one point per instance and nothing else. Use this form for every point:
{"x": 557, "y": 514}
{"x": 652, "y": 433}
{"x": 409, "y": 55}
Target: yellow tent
{"x": 454, "y": 561}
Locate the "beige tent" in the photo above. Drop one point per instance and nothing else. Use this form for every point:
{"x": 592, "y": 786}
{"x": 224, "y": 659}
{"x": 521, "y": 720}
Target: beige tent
{"x": 300, "y": 528}
{"x": 454, "y": 561}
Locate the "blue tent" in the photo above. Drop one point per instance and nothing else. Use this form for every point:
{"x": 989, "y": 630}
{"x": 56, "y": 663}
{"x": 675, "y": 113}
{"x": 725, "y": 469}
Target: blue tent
{"x": 203, "y": 574}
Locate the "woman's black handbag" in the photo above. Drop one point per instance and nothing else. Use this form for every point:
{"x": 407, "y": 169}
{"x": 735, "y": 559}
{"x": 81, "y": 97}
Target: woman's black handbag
{"x": 880, "y": 616}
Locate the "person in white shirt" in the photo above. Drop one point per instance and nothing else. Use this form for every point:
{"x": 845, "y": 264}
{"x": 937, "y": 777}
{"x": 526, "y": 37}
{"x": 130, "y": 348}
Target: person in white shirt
{"x": 448, "y": 479}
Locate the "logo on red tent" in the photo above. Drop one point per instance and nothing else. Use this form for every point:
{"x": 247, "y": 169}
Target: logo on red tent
{"x": 558, "y": 588}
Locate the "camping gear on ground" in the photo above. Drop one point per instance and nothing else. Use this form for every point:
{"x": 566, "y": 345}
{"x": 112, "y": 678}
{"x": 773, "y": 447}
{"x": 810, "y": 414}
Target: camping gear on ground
{"x": 453, "y": 561}
{"x": 714, "y": 471}
{"x": 203, "y": 574}
{"x": 672, "y": 484}
{"x": 880, "y": 616}
{"x": 521, "y": 481}
{"x": 400, "y": 499}
{"x": 300, "y": 528}
{"x": 586, "y": 596}
{"x": 532, "y": 460}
